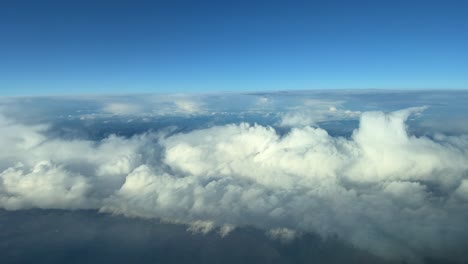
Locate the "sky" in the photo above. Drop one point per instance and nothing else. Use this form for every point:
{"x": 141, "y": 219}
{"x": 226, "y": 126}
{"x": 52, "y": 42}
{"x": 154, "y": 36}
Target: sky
{"x": 105, "y": 47}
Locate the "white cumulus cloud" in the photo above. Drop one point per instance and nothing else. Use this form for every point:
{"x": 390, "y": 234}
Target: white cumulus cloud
{"x": 382, "y": 189}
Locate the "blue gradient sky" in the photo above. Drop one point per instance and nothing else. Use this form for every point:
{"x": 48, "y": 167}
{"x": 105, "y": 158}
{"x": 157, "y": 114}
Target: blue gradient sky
{"x": 60, "y": 47}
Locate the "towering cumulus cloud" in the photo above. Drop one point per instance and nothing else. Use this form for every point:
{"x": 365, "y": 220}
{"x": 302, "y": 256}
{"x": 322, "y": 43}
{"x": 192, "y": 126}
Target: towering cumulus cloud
{"x": 383, "y": 190}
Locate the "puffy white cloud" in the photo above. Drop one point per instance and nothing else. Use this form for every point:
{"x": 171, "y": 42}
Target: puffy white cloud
{"x": 395, "y": 194}
{"x": 313, "y": 111}
{"x": 44, "y": 186}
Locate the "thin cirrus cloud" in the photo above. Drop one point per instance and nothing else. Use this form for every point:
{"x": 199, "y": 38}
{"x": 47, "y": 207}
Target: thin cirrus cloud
{"x": 382, "y": 189}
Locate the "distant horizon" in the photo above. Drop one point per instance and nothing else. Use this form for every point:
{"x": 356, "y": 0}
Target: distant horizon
{"x": 214, "y": 92}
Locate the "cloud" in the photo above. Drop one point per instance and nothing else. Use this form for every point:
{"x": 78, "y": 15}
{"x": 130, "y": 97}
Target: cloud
{"x": 383, "y": 190}
{"x": 175, "y": 104}
{"x": 225, "y": 230}
{"x": 121, "y": 108}
{"x": 313, "y": 111}
{"x": 188, "y": 106}
{"x": 44, "y": 186}
{"x": 202, "y": 227}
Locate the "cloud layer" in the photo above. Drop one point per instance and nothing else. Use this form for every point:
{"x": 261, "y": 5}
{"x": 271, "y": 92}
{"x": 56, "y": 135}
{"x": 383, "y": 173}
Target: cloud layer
{"x": 383, "y": 190}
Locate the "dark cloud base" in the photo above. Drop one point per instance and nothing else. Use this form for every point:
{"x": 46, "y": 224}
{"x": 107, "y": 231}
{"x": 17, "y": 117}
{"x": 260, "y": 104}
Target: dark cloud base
{"x": 59, "y": 236}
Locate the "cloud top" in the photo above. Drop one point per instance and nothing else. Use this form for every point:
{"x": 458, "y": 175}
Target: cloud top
{"x": 383, "y": 190}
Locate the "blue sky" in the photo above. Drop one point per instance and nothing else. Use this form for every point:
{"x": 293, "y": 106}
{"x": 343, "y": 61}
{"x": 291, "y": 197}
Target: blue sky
{"x": 61, "y": 47}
